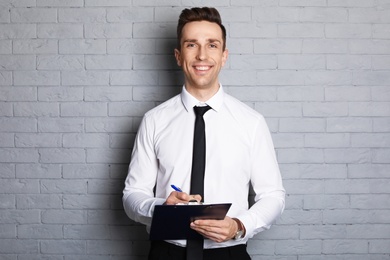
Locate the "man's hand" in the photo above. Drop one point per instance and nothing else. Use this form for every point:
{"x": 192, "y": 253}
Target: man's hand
{"x": 181, "y": 197}
{"x": 216, "y": 230}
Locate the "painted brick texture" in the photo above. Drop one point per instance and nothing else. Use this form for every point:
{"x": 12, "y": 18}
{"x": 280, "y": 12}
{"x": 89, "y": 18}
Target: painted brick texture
{"x": 76, "y": 77}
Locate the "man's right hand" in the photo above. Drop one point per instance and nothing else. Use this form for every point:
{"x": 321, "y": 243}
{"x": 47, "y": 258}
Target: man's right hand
{"x": 177, "y": 197}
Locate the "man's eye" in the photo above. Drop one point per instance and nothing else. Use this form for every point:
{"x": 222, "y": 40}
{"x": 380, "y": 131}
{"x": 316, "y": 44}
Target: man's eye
{"x": 213, "y": 46}
{"x": 190, "y": 45}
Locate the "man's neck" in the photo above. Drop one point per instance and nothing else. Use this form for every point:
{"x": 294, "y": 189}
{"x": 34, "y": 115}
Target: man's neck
{"x": 202, "y": 94}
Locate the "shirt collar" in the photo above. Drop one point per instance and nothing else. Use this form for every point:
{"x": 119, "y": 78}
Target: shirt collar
{"x": 215, "y": 102}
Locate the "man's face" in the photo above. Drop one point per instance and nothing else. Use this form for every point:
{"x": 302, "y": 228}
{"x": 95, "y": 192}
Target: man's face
{"x": 201, "y": 56}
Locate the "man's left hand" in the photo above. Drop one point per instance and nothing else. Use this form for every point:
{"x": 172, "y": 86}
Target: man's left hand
{"x": 216, "y": 230}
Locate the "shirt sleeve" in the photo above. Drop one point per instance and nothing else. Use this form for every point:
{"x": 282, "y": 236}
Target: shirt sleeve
{"x": 266, "y": 182}
{"x": 138, "y": 196}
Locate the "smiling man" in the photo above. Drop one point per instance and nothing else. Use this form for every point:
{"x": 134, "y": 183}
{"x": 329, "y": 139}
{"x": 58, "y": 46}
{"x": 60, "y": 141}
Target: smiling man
{"x": 209, "y": 144}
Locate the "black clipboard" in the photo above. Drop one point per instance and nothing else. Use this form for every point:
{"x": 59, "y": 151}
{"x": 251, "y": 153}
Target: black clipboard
{"x": 172, "y": 222}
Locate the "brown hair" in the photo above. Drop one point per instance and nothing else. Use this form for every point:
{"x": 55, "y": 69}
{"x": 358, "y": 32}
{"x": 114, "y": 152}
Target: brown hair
{"x": 197, "y": 14}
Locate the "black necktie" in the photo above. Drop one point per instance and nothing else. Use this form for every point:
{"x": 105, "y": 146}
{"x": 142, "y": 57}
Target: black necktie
{"x": 195, "y": 247}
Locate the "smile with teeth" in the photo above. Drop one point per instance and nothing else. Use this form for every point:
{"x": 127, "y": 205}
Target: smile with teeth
{"x": 202, "y": 68}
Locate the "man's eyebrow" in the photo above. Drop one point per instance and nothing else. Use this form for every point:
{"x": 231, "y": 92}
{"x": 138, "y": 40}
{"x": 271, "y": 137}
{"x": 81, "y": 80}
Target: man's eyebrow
{"x": 208, "y": 40}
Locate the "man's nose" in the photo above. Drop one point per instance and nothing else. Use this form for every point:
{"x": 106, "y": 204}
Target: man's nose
{"x": 202, "y": 53}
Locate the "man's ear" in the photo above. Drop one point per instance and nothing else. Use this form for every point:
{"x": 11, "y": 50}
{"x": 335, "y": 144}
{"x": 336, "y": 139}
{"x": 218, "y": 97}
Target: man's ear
{"x": 225, "y": 56}
{"x": 177, "y": 56}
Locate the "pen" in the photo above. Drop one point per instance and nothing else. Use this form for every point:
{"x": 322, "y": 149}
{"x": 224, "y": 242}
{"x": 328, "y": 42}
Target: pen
{"x": 176, "y": 188}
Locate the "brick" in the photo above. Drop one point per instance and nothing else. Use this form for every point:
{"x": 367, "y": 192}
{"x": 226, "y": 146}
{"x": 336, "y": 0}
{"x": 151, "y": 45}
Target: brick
{"x": 60, "y": 62}
{"x": 124, "y": 141}
{"x": 35, "y": 46}
{"x": 7, "y": 231}
{"x": 350, "y": 124}
{"x": 105, "y": 3}
{"x": 300, "y": 247}
{"x": 316, "y": 109}
{"x": 154, "y": 62}
{"x": 40, "y": 231}
{"x": 108, "y": 156}
{"x": 304, "y": 62}
{"x": 279, "y": 109}
{"x": 7, "y": 170}
{"x": 368, "y": 15}
{"x": 82, "y": 15}
{"x": 99, "y": 62}
{"x": 381, "y": 31}
{"x": 28, "y": 78}
{"x": 82, "y": 46}
{"x": 5, "y": 78}
{"x": 300, "y": 155}
{"x": 326, "y": 201}
{"x": 86, "y": 78}
{"x": 252, "y": 30}
{"x": 60, "y": 125}
{"x": 91, "y": 171}
{"x": 327, "y": 140}
{"x": 33, "y": 15}
{"x": 302, "y": 125}
{"x": 30, "y": 109}
{"x": 85, "y": 140}
{"x": 60, "y": 155}
{"x": 111, "y": 125}
{"x": 130, "y": 15}
{"x": 303, "y": 3}
{"x": 61, "y": 216}
{"x": 320, "y": 14}
{"x": 323, "y": 232}
{"x": 65, "y": 93}
{"x": 325, "y": 46}
{"x": 109, "y": 247}
{"x": 145, "y": 78}
{"x": 5, "y": 47}
{"x": 60, "y": 31}
{"x": 313, "y": 171}
{"x": 381, "y": 125}
{"x": 17, "y": 216}
{"x": 7, "y": 139}
{"x": 299, "y": 93}
{"x": 347, "y": 94}
{"x": 19, "y": 246}
{"x": 18, "y": 124}
{"x": 370, "y": 201}
{"x": 38, "y": 140}
{"x": 10, "y": 94}
{"x": 105, "y": 187}
{"x": 261, "y": 247}
{"x": 63, "y": 186}
{"x": 111, "y": 93}
{"x": 126, "y": 46}
{"x": 277, "y": 46}
{"x": 370, "y": 140}
{"x": 304, "y": 30}
{"x": 84, "y": 109}
{"x": 275, "y": 14}
{"x": 90, "y": 232}
{"x": 106, "y": 217}
{"x": 18, "y": 31}
{"x": 355, "y": 186}
{"x": 104, "y": 31}
{"x": 303, "y": 186}
{"x": 334, "y": 246}
{"x": 351, "y": 3}
{"x": 6, "y": 109}
{"x": 19, "y": 186}
{"x": 371, "y": 171}
{"x": 349, "y": 31}
{"x": 19, "y": 155}
{"x": 381, "y": 156}
{"x": 63, "y": 246}
{"x": 38, "y": 171}
{"x": 340, "y": 62}
{"x": 38, "y": 201}
{"x": 379, "y": 246}
{"x": 86, "y": 201}
{"x": 363, "y": 46}
{"x": 372, "y": 78}
{"x": 381, "y": 62}
{"x": 60, "y": 3}
{"x": 250, "y": 93}
{"x": 129, "y": 108}
{"x": 370, "y": 109}
{"x": 4, "y": 16}
{"x": 154, "y": 31}
{"x": 357, "y": 155}
{"x": 17, "y": 62}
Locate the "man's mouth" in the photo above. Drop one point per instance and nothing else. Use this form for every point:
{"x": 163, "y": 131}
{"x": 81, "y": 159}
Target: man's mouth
{"x": 202, "y": 68}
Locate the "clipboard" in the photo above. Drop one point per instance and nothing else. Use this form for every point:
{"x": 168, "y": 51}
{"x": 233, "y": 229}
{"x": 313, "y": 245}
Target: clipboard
{"x": 170, "y": 222}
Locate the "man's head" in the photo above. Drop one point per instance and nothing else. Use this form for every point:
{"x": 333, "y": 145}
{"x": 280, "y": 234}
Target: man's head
{"x": 198, "y": 14}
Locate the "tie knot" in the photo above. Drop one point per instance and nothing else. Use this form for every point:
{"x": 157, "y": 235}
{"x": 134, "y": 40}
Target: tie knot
{"x": 200, "y": 111}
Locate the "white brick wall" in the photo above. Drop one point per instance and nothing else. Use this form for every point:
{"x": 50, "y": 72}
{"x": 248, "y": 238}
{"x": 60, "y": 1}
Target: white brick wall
{"x": 76, "y": 76}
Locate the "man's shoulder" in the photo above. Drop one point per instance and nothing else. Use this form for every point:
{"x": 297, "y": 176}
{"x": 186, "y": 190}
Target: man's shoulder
{"x": 165, "y": 107}
{"x": 241, "y": 107}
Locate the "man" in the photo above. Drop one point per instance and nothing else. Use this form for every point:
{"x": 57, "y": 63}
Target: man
{"x": 238, "y": 151}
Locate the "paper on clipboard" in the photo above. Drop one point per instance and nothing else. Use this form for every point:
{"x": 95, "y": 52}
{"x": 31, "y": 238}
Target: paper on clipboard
{"x": 173, "y": 221}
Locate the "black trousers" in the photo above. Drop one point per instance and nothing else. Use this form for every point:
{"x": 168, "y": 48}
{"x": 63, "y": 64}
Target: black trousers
{"x": 161, "y": 250}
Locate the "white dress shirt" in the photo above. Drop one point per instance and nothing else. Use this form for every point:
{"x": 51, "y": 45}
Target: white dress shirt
{"x": 239, "y": 151}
